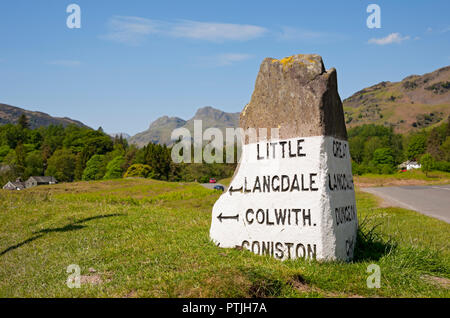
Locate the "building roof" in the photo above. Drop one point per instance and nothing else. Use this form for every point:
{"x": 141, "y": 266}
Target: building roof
{"x": 44, "y": 179}
{"x": 17, "y": 184}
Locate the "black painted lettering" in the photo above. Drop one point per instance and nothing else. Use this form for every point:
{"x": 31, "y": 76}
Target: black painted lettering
{"x": 299, "y": 148}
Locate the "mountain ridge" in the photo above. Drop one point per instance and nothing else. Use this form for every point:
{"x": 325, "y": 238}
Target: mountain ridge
{"x": 10, "y": 115}
{"x": 161, "y": 129}
{"x": 415, "y": 102}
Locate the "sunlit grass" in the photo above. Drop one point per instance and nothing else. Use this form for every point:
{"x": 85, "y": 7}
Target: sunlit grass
{"x": 146, "y": 238}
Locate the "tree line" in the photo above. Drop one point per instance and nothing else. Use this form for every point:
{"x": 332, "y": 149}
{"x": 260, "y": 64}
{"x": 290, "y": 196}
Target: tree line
{"x": 377, "y": 149}
{"x": 76, "y": 153}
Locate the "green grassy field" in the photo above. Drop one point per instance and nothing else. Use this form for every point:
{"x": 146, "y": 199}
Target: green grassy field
{"x": 411, "y": 177}
{"x": 146, "y": 238}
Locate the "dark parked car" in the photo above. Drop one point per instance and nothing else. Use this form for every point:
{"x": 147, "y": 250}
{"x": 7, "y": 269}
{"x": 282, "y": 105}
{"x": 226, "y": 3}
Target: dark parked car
{"x": 219, "y": 187}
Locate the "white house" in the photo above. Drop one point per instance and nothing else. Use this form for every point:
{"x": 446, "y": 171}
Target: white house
{"x": 409, "y": 165}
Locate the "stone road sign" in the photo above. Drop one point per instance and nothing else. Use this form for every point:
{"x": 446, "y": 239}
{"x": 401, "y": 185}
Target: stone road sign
{"x": 292, "y": 195}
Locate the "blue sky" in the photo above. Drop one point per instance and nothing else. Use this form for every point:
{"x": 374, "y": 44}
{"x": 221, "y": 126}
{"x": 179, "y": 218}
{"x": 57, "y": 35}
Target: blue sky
{"x": 134, "y": 61}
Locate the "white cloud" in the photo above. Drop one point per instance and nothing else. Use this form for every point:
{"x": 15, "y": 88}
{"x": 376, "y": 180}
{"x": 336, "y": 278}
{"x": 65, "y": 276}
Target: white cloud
{"x": 67, "y": 63}
{"x": 299, "y": 34}
{"x": 212, "y": 31}
{"x": 289, "y": 33}
{"x": 445, "y": 30}
{"x": 134, "y": 30}
{"x": 230, "y": 58}
{"x": 130, "y": 30}
{"x": 391, "y": 38}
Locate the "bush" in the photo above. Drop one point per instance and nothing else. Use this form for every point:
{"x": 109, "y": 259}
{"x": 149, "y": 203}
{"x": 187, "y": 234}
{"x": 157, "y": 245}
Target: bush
{"x": 358, "y": 169}
{"x": 114, "y": 168}
{"x": 139, "y": 170}
{"x": 441, "y": 166}
{"x": 386, "y": 169}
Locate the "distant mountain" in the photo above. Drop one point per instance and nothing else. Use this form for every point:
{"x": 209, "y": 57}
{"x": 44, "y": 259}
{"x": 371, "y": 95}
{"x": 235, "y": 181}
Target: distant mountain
{"x": 161, "y": 129}
{"x": 416, "y": 102}
{"x": 10, "y": 115}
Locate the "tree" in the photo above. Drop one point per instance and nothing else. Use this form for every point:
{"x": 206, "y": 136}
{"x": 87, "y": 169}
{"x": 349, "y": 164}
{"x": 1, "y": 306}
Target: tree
{"x": 139, "y": 170}
{"x": 434, "y": 141}
{"x": 20, "y": 158}
{"x": 445, "y": 149}
{"x": 23, "y": 122}
{"x": 370, "y": 146}
{"x": 416, "y": 146}
{"x": 357, "y": 148}
{"x": 4, "y": 150}
{"x": 114, "y": 168}
{"x": 61, "y": 165}
{"x": 95, "y": 168}
{"x": 383, "y": 156}
{"x": 34, "y": 165}
{"x": 426, "y": 162}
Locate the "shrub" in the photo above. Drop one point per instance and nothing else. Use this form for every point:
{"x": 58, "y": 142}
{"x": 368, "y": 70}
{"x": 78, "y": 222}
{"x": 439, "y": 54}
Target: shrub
{"x": 442, "y": 166}
{"x": 139, "y": 170}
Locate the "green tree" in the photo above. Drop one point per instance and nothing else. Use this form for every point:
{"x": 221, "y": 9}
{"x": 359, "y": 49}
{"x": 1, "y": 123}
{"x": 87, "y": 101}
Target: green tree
{"x": 34, "y": 165}
{"x": 4, "y": 150}
{"x": 61, "y": 165}
{"x": 426, "y": 162}
{"x": 114, "y": 168}
{"x": 95, "y": 168}
{"x": 383, "y": 156}
{"x": 23, "y": 122}
{"x": 21, "y": 155}
{"x": 416, "y": 146}
{"x": 445, "y": 149}
{"x": 357, "y": 148}
{"x": 370, "y": 146}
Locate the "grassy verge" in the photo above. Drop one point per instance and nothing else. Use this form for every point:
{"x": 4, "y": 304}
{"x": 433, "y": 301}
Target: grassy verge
{"x": 145, "y": 238}
{"x": 412, "y": 177}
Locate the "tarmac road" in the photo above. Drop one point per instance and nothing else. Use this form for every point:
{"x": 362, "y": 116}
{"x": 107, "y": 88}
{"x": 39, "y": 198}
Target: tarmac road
{"x": 433, "y": 201}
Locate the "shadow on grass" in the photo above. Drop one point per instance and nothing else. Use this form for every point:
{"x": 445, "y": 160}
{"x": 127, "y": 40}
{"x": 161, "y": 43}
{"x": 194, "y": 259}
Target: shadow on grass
{"x": 370, "y": 245}
{"x": 74, "y": 226}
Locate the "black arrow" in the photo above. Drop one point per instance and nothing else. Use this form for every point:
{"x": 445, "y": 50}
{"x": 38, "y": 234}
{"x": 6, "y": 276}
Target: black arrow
{"x": 231, "y": 190}
{"x": 220, "y": 217}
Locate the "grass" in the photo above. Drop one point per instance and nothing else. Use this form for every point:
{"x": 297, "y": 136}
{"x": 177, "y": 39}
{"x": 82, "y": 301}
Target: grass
{"x": 146, "y": 238}
{"x": 411, "y": 177}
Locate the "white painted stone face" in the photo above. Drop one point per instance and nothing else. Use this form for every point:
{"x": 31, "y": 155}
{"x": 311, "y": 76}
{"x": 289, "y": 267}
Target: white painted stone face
{"x": 290, "y": 199}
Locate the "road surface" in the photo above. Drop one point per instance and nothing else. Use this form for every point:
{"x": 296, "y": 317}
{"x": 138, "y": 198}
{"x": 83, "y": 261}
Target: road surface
{"x": 433, "y": 201}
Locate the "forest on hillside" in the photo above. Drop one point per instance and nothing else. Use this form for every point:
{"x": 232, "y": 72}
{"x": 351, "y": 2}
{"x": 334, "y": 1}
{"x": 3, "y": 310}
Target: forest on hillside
{"x": 75, "y": 153}
{"x": 377, "y": 149}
